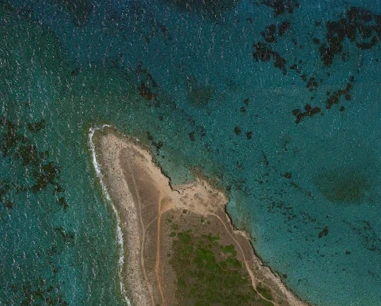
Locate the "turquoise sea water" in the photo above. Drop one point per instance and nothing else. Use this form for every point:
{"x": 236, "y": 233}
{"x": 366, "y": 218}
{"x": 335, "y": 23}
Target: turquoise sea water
{"x": 277, "y": 99}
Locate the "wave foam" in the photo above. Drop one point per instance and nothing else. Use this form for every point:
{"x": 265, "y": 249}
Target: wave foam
{"x": 119, "y": 233}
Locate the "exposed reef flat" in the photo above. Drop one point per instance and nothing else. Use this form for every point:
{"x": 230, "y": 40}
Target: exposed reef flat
{"x": 180, "y": 245}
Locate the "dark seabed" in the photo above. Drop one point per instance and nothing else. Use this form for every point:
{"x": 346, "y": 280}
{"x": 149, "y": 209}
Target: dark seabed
{"x": 277, "y": 100}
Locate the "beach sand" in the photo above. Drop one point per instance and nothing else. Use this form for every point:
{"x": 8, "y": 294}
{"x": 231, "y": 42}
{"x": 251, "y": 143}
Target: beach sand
{"x": 153, "y": 218}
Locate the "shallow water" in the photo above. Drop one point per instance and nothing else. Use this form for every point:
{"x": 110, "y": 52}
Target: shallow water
{"x": 246, "y": 91}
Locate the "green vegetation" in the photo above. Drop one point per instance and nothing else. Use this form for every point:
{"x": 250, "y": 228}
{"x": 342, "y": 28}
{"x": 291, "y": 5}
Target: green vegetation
{"x": 208, "y": 273}
{"x": 265, "y": 292}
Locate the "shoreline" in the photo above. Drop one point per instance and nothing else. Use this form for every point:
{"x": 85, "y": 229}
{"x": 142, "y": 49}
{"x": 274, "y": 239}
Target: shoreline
{"x": 119, "y": 233}
{"x": 143, "y": 229}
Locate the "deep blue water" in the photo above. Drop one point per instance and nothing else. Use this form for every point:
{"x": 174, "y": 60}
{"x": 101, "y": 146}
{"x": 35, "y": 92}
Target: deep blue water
{"x": 277, "y": 99}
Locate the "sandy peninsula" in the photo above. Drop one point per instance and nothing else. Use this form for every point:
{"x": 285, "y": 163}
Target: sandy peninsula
{"x": 180, "y": 246}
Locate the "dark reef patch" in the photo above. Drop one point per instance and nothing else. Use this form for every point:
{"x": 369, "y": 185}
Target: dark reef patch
{"x": 208, "y": 8}
{"x": 366, "y": 232}
{"x": 359, "y": 26}
{"x": 199, "y": 95}
{"x": 323, "y": 232}
{"x": 312, "y": 84}
{"x": 264, "y": 53}
{"x": 5, "y": 197}
{"x": 157, "y": 144}
{"x": 38, "y": 292}
{"x": 30, "y": 173}
{"x": 35, "y": 127}
{"x": 79, "y": 10}
{"x": 191, "y": 136}
{"x": 334, "y": 98}
{"x": 148, "y": 87}
{"x": 17, "y": 143}
{"x": 309, "y": 111}
{"x": 343, "y": 185}
{"x": 282, "y": 6}
{"x": 283, "y": 28}
{"x": 269, "y": 34}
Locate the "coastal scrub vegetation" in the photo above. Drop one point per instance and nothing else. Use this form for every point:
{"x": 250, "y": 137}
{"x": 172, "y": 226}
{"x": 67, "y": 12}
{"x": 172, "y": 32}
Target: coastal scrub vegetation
{"x": 209, "y": 273}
